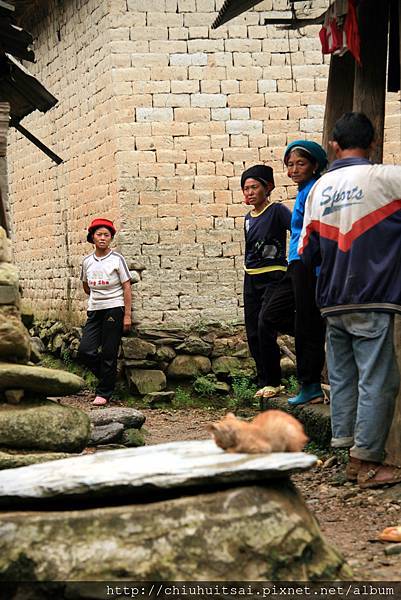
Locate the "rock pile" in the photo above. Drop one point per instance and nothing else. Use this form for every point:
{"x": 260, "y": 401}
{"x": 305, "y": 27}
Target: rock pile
{"x": 29, "y": 421}
{"x": 119, "y": 425}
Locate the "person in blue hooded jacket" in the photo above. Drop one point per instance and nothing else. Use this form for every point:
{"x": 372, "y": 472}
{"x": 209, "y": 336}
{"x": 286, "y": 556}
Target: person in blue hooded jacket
{"x": 292, "y": 307}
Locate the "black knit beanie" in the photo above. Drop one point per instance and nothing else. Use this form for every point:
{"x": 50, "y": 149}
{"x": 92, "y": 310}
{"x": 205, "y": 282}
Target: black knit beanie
{"x": 261, "y": 173}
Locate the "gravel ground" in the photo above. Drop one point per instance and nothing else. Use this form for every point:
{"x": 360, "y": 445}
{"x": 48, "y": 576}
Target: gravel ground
{"x": 349, "y": 517}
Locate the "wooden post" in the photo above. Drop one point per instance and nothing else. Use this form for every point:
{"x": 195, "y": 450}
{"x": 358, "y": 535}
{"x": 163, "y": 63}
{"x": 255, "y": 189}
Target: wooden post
{"x": 340, "y": 94}
{"x": 393, "y": 446}
{"x": 4, "y": 120}
{"x": 370, "y": 77}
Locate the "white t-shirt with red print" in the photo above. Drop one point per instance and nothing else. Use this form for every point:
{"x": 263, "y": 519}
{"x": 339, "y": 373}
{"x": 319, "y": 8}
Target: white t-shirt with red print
{"x": 105, "y": 276}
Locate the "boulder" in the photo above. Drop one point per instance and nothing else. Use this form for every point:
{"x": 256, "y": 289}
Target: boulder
{"x": 9, "y": 294}
{"x": 165, "y": 353}
{"x": 37, "y": 349}
{"x": 136, "y": 348}
{"x": 132, "y": 438}
{"x": 140, "y": 363}
{"x": 195, "y": 345}
{"x": 9, "y": 284}
{"x": 185, "y": 366}
{"x": 288, "y": 367}
{"x": 43, "y": 425}
{"x": 47, "y": 382}
{"x": 256, "y": 533}
{"x": 262, "y": 531}
{"x": 57, "y": 343}
{"x": 232, "y": 366}
{"x": 231, "y": 346}
{"x": 14, "y": 338}
{"x": 5, "y": 247}
{"x": 57, "y": 328}
{"x": 163, "y": 335}
{"x": 144, "y": 381}
{"x": 105, "y": 434}
{"x": 14, "y": 459}
{"x": 159, "y": 398}
{"x": 129, "y": 417}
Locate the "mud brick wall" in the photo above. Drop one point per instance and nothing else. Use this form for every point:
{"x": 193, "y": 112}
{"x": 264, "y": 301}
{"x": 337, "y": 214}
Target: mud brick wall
{"x": 158, "y": 116}
{"x": 51, "y": 205}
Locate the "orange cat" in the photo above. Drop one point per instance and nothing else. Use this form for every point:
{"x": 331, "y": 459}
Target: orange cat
{"x": 270, "y": 431}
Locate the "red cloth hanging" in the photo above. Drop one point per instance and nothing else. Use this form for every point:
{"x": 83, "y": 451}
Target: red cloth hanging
{"x": 340, "y": 33}
{"x": 352, "y": 31}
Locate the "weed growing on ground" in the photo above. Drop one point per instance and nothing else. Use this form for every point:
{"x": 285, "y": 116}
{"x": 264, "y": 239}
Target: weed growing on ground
{"x": 182, "y": 397}
{"x": 291, "y": 384}
{"x": 244, "y": 391}
{"x": 205, "y": 385}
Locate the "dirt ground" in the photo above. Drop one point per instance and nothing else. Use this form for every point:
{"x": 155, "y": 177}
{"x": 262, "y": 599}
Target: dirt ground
{"x": 350, "y": 518}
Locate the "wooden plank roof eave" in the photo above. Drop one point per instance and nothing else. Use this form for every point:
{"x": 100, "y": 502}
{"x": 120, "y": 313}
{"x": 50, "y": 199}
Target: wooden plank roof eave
{"x": 234, "y": 8}
{"x": 22, "y": 90}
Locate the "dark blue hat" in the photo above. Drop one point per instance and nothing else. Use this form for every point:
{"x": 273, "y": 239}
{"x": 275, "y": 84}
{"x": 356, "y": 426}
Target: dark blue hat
{"x": 261, "y": 173}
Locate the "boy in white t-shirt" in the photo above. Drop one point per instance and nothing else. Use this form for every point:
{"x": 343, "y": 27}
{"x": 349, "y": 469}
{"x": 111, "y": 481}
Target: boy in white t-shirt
{"x": 107, "y": 281}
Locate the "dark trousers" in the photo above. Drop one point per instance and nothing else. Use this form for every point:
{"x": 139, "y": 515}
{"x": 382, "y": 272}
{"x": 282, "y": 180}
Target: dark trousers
{"x": 98, "y": 350}
{"x": 262, "y": 336}
{"x": 292, "y": 310}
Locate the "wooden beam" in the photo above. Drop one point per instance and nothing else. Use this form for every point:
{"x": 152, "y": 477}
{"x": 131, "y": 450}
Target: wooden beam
{"x": 340, "y": 94}
{"x": 4, "y": 120}
{"x": 370, "y": 77}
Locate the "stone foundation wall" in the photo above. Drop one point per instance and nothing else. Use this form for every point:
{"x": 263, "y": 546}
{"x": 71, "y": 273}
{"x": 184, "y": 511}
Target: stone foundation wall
{"x": 157, "y": 117}
{"x": 154, "y": 356}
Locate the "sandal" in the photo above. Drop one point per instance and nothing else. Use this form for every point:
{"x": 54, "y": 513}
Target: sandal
{"x": 390, "y": 534}
{"x": 269, "y": 391}
{"x": 352, "y": 468}
{"x": 372, "y": 475}
{"x": 99, "y": 401}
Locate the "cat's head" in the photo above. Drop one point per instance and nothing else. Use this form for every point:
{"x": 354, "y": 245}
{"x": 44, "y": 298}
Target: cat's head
{"x": 223, "y": 431}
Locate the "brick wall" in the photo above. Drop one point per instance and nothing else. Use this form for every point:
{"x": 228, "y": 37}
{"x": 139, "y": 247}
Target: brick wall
{"x": 51, "y": 205}
{"x": 158, "y": 116}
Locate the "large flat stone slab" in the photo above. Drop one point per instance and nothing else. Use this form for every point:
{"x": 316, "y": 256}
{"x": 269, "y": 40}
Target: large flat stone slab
{"x": 137, "y": 470}
{"x": 47, "y": 382}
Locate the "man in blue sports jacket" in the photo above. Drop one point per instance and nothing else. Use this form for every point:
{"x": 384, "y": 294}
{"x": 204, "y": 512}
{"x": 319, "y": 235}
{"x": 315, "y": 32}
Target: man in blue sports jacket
{"x": 352, "y": 230}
